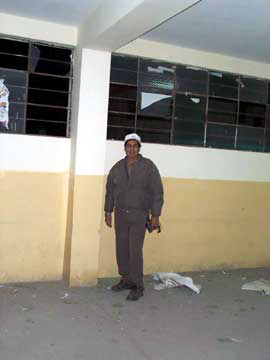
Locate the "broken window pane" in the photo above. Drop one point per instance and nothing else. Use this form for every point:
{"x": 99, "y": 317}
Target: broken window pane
{"x": 189, "y": 107}
{"x": 48, "y": 97}
{"x": 151, "y": 103}
{"x": 14, "y": 47}
{"x": 50, "y": 52}
{"x": 51, "y": 88}
{"x": 13, "y": 62}
{"x": 49, "y": 67}
{"x": 46, "y": 113}
{"x": 48, "y": 82}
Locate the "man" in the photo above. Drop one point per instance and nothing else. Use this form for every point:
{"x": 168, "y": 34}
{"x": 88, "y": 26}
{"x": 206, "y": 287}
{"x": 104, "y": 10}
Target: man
{"x": 134, "y": 192}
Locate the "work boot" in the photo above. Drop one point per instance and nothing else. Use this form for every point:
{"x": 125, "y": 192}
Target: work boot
{"x": 122, "y": 285}
{"x": 135, "y": 293}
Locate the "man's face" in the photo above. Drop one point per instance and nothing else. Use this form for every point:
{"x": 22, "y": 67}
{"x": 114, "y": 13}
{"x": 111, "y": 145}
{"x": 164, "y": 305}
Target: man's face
{"x": 132, "y": 149}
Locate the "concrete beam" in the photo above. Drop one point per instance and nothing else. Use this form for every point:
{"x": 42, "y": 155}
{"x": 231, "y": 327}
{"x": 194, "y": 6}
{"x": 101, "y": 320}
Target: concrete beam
{"x": 116, "y": 23}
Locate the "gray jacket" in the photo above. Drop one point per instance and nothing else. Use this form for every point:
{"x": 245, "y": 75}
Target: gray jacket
{"x": 142, "y": 190}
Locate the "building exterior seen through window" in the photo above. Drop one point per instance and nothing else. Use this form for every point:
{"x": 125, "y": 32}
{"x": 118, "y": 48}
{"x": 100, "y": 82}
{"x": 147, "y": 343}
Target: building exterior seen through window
{"x": 35, "y": 88}
{"x": 178, "y": 104}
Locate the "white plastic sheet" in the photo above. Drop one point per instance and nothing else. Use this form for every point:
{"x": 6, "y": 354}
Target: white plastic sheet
{"x": 261, "y": 285}
{"x": 170, "y": 279}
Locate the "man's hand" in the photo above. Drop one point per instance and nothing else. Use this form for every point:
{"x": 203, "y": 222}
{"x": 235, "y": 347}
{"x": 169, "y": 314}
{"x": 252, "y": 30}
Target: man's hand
{"x": 108, "y": 219}
{"x": 154, "y": 222}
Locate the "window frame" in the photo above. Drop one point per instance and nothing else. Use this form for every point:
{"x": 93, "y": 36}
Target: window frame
{"x": 65, "y": 94}
{"x": 232, "y": 81}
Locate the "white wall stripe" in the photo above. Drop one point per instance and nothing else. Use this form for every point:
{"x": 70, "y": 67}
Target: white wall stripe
{"x": 34, "y": 153}
{"x": 199, "y": 163}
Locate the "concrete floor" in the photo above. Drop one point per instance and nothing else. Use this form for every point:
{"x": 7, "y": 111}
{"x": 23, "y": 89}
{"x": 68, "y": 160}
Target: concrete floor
{"x": 48, "y": 321}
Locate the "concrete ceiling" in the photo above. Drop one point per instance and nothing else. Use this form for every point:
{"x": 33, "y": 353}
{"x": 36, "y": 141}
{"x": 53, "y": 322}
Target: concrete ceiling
{"x": 68, "y": 12}
{"x": 239, "y": 28}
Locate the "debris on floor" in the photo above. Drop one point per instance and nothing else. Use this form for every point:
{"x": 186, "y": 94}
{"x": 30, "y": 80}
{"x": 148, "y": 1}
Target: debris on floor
{"x": 229, "y": 340}
{"x": 65, "y": 296}
{"x": 170, "y": 280}
{"x": 261, "y": 285}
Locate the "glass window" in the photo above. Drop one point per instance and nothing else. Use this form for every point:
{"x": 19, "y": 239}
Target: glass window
{"x": 123, "y": 91}
{"x": 252, "y": 89}
{"x": 159, "y": 137}
{"x": 49, "y": 67}
{"x": 191, "y": 80}
{"x": 123, "y": 62}
{"x": 220, "y": 136}
{"x": 50, "y": 52}
{"x": 48, "y": 98}
{"x": 11, "y": 46}
{"x": 118, "y": 133}
{"x": 153, "y": 103}
{"x": 222, "y": 111}
{"x": 13, "y": 62}
{"x": 223, "y": 85}
{"x": 46, "y": 113}
{"x": 157, "y": 75}
{"x": 252, "y": 114}
{"x": 185, "y": 105}
{"x": 267, "y": 141}
{"x": 49, "y": 82}
{"x": 38, "y": 78}
{"x": 151, "y": 122}
{"x": 188, "y": 133}
{"x": 189, "y": 107}
{"x": 45, "y": 128}
{"x": 118, "y": 119}
{"x": 13, "y": 77}
{"x": 250, "y": 139}
{"x": 123, "y": 77}
{"x": 17, "y": 94}
{"x": 122, "y": 105}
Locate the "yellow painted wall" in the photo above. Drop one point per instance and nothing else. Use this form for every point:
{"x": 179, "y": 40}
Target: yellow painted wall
{"x": 85, "y": 241}
{"x": 32, "y": 225}
{"x": 206, "y": 224}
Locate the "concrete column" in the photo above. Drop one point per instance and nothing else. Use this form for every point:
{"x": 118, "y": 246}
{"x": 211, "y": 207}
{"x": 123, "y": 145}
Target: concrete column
{"x": 89, "y": 127}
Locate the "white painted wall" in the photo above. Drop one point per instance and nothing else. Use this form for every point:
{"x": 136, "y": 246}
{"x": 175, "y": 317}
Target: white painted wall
{"x": 92, "y": 114}
{"x": 198, "y": 163}
{"x": 34, "y": 153}
{"x": 38, "y": 30}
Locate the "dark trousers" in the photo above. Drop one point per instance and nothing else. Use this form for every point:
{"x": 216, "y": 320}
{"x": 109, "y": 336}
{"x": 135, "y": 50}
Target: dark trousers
{"x": 130, "y": 232}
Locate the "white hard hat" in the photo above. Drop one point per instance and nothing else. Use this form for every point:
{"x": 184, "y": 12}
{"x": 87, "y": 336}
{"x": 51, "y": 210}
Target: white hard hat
{"x": 132, "y": 137}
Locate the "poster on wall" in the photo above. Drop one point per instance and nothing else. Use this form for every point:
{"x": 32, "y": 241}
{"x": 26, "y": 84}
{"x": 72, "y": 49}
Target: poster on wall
{"x": 4, "y": 104}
